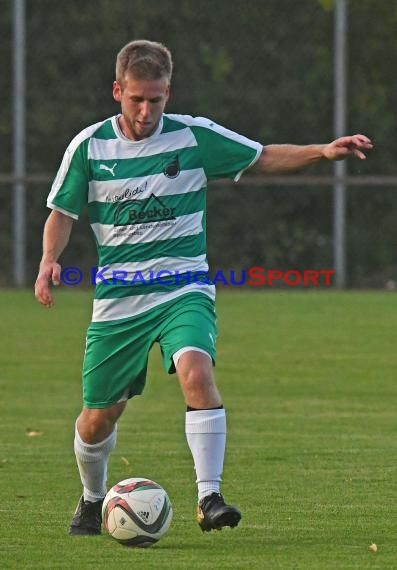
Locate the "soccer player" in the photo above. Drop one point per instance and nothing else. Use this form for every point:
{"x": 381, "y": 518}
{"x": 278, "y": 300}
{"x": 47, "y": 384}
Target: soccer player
{"x": 143, "y": 176}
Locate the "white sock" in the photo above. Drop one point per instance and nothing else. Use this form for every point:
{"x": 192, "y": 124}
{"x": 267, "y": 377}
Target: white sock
{"x": 206, "y": 436}
{"x": 92, "y": 462}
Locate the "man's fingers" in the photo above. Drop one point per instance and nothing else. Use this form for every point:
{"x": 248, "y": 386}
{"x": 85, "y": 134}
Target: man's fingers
{"x": 344, "y": 147}
{"x": 44, "y": 297}
{"x": 354, "y": 145}
{"x": 358, "y": 154}
{"x": 361, "y": 141}
{"x": 55, "y": 274}
{"x": 43, "y": 292}
{"x": 50, "y": 274}
{"x": 56, "y": 277}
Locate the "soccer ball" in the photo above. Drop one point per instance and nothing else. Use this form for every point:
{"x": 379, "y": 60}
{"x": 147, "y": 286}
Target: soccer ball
{"x": 137, "y": 512}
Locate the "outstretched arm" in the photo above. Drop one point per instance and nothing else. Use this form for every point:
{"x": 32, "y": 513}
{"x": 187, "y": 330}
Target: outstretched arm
{"x": 55, "y": 238}
{"x": 280, "y": 158}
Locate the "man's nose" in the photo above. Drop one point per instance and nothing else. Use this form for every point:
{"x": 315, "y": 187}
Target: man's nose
{"x": 145, "y": 109}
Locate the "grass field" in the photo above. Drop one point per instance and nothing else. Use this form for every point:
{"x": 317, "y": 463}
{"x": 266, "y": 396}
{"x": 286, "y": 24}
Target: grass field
{"x": 309, "y": 381}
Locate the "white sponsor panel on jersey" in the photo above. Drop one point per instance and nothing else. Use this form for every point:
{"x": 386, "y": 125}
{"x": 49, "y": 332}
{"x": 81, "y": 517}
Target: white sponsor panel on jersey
{"x": 108, "y": 234}
{"x": 112, "y": 309}
{"x": 142, "y": 187}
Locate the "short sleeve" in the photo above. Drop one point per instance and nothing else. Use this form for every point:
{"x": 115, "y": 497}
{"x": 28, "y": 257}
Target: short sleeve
{"x": 70, "y": 188}
{"x": 225, "y": 154}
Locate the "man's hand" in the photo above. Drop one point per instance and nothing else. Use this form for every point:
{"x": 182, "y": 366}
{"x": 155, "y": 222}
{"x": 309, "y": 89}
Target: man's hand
{"x": 49, "y": 273}
{"x": 56, "y": 235}
{"x": 344, "y": 147}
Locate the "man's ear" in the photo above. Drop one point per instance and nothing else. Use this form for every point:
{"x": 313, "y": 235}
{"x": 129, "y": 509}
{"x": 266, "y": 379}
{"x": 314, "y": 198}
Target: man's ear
{"x": 116, "y": 91}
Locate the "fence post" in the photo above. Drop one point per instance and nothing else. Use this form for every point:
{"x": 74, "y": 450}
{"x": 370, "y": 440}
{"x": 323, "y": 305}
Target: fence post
{"x": 19, "y": 215}
{"x": 340, "y": 87}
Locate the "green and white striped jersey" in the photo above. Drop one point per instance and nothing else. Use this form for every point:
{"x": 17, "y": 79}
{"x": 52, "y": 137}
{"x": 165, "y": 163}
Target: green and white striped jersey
{"x": 147, "y": 206}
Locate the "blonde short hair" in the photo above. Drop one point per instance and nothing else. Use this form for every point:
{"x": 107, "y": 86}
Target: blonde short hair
{"x": 143, "y": 59}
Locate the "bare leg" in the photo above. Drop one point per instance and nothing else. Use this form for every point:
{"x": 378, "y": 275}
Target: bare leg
{"x": 197, "y": 381}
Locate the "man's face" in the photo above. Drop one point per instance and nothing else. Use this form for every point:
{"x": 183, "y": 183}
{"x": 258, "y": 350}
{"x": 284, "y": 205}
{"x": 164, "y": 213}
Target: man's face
{"x": 142, "y": 104}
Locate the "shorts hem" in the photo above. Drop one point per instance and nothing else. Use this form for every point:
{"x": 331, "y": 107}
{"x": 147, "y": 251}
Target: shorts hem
{"x": 211, "y": 353}
{"x": 104, "y": 405}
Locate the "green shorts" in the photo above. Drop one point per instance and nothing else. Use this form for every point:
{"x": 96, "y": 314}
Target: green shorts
{"x": 116, "y": 355}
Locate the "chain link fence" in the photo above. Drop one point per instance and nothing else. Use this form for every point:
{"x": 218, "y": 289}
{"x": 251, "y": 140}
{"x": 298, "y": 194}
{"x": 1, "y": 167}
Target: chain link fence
{"x": 264, "y": 69}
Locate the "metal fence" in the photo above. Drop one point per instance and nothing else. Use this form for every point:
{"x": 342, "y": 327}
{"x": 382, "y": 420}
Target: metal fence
{"x": 278, "y": 71}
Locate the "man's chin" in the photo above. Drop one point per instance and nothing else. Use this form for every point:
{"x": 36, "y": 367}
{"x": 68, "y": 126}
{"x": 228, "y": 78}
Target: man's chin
{"x": 144, "y": 130}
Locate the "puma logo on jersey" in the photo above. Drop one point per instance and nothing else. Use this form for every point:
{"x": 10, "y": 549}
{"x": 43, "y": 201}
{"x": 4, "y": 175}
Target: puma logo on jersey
{"x": 108, "y": 168}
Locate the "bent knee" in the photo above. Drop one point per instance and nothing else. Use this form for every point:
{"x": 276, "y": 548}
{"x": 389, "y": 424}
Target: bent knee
{"x": 95, "y": 425}
{"x": 198, "y": 378}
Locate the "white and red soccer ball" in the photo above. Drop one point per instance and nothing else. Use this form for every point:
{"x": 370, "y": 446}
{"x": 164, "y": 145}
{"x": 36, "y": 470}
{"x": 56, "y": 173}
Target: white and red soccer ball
{"x": 137, "y": 512}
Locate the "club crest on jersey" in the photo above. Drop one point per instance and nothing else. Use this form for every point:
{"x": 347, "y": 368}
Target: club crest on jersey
{"x": 171, "y": 168}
